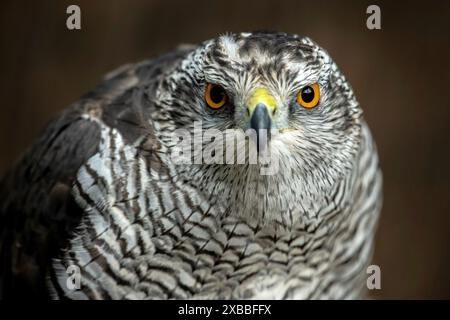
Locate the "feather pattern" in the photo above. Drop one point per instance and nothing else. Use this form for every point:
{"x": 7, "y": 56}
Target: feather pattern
{"x": 147, "y": 227}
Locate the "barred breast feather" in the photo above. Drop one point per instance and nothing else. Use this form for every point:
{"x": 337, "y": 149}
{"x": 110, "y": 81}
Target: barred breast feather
{"x": 148, "y": 235}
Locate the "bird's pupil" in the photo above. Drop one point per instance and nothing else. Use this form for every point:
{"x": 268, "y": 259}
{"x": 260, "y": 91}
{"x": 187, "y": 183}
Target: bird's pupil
{"x": 307, "y": 94}
{"x": 216, "y": 94}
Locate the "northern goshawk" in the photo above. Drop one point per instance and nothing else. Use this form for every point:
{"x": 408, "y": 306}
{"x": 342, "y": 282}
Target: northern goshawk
{"x": 145, "y": 187}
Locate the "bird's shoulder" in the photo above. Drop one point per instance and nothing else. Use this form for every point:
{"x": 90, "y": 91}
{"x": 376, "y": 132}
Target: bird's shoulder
{"x": 37, "y": 209}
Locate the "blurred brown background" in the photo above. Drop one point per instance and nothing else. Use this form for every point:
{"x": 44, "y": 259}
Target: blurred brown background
{"x": 400, "y": 74}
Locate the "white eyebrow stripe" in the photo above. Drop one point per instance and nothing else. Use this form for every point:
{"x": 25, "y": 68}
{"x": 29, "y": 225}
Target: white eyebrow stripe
{"x": 230, "y": 46}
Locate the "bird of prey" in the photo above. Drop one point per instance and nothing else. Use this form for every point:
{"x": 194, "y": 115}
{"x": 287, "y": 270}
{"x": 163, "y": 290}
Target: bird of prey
{"x": 107, "y": 205}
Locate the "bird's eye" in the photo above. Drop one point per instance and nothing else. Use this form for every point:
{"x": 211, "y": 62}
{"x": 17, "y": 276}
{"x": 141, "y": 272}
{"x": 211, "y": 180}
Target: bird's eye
{"x": 309, "y": 96}
{"x": 215, "y": 96}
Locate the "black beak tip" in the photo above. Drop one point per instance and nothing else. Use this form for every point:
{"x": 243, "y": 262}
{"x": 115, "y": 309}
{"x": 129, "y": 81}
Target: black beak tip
{"x": 261, "y": 123}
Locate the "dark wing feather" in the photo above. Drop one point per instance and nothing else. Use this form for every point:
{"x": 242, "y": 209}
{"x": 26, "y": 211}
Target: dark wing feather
{"x": 36, "y": 207}
{"x": 37, "y": 211}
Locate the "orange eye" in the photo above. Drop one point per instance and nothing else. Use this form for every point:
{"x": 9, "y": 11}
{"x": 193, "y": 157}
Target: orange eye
{"x": 215, "y": 96}
{"x": 309, "y": 96}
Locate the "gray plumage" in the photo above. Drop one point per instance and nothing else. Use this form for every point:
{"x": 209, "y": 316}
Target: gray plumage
{"x": 101, "y": 190}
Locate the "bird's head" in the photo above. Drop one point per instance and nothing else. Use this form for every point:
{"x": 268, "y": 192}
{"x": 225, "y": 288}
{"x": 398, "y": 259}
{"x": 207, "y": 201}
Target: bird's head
{"x": 287, "y": 94}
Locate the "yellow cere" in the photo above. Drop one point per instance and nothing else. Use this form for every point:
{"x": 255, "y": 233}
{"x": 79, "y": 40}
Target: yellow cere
{"x": 261, "y": 95}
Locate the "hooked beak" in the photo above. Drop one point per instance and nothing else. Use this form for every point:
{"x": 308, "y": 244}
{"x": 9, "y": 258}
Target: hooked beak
{"x": 261, "y": 123}
{"x": 261, "y": 107}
